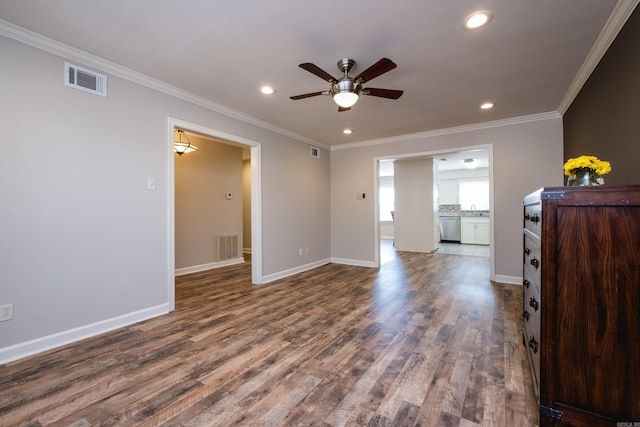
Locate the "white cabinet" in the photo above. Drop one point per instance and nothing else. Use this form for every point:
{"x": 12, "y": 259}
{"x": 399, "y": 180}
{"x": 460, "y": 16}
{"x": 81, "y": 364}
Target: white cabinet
{"x": 475, "y": 231}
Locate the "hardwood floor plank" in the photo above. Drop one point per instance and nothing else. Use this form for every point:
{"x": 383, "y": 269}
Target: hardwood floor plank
{"x": 426, "y": 340}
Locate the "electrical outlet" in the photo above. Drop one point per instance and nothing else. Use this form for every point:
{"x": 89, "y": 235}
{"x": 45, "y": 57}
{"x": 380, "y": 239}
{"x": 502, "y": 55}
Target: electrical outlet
{"x": 6, "y": 312}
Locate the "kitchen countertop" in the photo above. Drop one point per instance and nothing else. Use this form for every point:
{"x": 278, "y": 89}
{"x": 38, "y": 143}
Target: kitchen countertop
{"x": 479, "y": 214}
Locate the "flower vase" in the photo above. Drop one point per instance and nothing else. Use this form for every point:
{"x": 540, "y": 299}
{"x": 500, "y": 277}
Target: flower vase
{"x": 584, "y": 178}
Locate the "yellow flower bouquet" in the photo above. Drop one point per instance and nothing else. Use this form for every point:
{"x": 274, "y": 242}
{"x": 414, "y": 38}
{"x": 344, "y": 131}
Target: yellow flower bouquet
{"x": 586, "y": 170}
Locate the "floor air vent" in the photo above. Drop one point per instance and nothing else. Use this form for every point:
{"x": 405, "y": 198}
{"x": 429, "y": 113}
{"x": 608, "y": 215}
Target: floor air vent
{"x": 83, "y": 79}
{"x": 227, "y": 247}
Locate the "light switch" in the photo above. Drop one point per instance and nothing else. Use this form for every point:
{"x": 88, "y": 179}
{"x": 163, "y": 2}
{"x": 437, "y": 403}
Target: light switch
{"x": 151, "y": 184}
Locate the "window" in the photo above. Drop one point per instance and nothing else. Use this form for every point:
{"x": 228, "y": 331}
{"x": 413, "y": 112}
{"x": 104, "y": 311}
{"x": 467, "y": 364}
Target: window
{"x": 474, "y": 194}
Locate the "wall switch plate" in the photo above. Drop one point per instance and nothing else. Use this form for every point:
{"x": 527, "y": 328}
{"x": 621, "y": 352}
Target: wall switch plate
{"x": 6, "y": 312}
{"x": 151, "y": 184}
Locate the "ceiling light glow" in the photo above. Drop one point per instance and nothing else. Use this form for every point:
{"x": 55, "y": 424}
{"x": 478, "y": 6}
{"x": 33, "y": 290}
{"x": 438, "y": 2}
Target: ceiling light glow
{"x": 487, "y": 105}
{"x": 347, "y": 131}
{"x": 477, "y": 19}
{"x": 267, "y": 90}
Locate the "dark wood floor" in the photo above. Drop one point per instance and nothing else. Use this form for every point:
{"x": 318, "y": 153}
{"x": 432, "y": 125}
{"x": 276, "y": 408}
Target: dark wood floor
{"x": 427, "y": 340}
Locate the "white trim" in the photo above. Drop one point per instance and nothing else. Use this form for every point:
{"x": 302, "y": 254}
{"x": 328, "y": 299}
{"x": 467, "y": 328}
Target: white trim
{"x": 449, "y": 131}
{"x": 355, "y": 262}
{"x": 617, "y": 19}
{"x": 511, "y": 280}
{"x": 256, "y": 215}
{"x": 60, "y": 49}
{"x": 295, "y": 270}
{"x": 209, "y": 266}
{"x": 38, "y": 345}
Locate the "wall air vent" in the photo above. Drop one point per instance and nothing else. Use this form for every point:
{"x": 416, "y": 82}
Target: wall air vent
{"x": 315, "y": 152}
{"x": 83, "y": 79}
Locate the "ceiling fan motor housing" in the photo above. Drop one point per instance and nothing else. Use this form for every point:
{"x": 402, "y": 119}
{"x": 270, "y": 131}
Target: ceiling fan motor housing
{"x": 346, "y": 65}
{"x": 345, "y": 84}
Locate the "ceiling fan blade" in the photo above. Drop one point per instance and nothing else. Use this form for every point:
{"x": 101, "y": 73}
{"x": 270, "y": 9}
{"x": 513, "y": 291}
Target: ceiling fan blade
{"x": 341, "y": 109}
{"x": 314, "y": 69}
{"x": 308, "y": 95}
{"x": 383, "y": 93}
{"x": 382, "y": 66}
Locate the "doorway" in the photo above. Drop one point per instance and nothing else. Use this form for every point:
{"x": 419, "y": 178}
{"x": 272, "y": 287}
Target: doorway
{"x": 254, "y": 149}
{"x": 454, "y": 159}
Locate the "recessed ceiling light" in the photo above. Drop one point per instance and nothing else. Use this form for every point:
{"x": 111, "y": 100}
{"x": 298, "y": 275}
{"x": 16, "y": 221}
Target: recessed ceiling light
{"x": 267, "y": 90}
{"x": 487, "y": 105}
{"x": 347, "y": 131}
{"x": 477, "y": 19}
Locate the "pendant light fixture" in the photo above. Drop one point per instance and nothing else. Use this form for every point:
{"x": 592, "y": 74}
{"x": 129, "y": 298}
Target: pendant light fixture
{"x": 181, "y": 143}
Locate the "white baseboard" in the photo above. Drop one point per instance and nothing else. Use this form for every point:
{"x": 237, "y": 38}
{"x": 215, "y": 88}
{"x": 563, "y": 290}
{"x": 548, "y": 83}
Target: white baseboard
{"x": 209, "y": 266}
{"x": 28, "y": 348}
{"x": 512, "y": 280}
{"x": 356, "y": 262}
{"x": 296, "y": 270}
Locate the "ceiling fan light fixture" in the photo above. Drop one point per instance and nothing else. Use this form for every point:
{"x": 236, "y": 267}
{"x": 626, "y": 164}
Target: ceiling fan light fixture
{"x": 345, "y": 99}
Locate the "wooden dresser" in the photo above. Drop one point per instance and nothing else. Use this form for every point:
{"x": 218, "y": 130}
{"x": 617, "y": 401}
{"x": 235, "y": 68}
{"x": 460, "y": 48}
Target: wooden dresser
{"x": 581, "y": 304}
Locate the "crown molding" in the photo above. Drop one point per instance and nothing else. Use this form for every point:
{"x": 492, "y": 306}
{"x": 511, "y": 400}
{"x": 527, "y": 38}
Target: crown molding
{"x": 621, "y": 12}
{"x": 57, "y": 48}
{"x": 452, "y": 130}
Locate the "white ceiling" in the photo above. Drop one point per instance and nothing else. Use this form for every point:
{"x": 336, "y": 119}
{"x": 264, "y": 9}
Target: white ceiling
{"x": 225, "y": 50}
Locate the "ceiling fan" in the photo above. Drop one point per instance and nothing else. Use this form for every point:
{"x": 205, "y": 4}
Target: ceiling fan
{"x": 346, "y": 90}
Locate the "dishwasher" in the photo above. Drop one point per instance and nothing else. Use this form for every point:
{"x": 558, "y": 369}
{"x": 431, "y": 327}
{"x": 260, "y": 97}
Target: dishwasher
{"x": 450, "y": 229}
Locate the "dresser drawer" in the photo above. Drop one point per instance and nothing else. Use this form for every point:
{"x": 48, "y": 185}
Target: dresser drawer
{"x": 533, "y": 218}
{"x": 531, "y": 341}
{"x": 531, "y": 256}
{"x": 531, "y": 306}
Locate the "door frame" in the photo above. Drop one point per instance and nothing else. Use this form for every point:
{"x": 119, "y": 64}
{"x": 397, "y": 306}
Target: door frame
{"x": 376, "y": 184}
{"x": 256, "y": 198}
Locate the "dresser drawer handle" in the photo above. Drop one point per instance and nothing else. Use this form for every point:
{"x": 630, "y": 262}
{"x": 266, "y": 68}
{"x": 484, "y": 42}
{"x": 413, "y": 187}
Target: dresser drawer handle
{"x": 535, "y": 219}
{"x": 533, "y": 344}
{"x": 527, "y": 251}
{"x": 526, "y": 217}
{"x": 525, "y": 315}
{"x": 535, "y": 262}
{"x": 534, "y": 304}
{"x": 526, "y": 283}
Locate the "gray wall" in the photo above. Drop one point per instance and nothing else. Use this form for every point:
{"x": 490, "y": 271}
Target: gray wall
{"x": 84, "y": 246}
{"x": 604, "y": 119}
{"x": 526, "y": 156}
